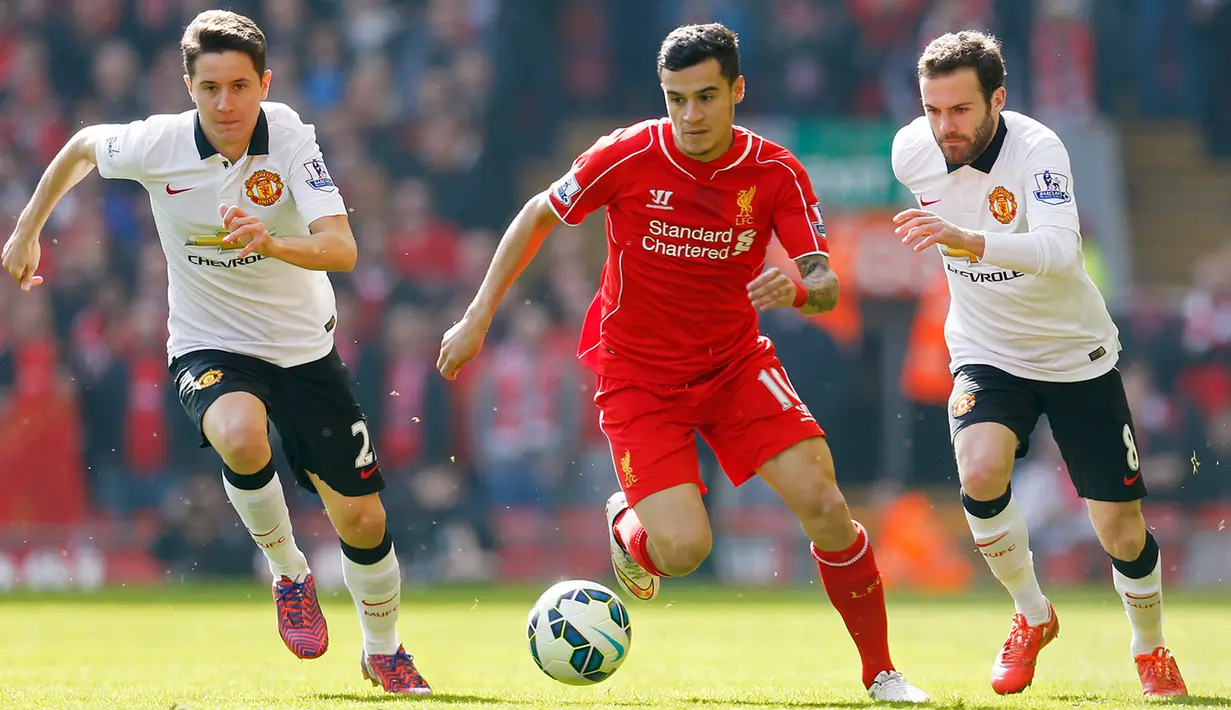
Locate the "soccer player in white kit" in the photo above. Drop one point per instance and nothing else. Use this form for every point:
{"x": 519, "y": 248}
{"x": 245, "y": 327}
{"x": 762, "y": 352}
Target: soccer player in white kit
{"x": 1028, "y": 334}
{"x": 250, "y": 222}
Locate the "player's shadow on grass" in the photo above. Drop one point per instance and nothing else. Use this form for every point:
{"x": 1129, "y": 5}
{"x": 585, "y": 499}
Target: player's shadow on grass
{"x": 1205, "y": 701}
{"x": 958, "y": 704}
{"x": 447, "y": 698}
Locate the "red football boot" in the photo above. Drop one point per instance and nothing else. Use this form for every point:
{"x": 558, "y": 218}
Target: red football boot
{"x": 1160, "y": 676}
{"x": 1013, "y": 670}
{"x": 300, "y": 621}
{"x": 395, "y": 673}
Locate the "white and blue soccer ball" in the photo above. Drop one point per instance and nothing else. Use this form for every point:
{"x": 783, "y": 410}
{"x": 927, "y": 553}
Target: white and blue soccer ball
{"x": 579, "y": 632}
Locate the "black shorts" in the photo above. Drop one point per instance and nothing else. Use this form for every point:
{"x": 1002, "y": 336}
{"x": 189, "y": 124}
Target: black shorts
{"x": 312, "y": 405}
{"x": 1090, "y": 421}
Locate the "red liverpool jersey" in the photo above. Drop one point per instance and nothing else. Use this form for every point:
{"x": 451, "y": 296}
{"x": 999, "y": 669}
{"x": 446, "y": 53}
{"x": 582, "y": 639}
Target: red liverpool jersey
{"x": 684, "y": 238}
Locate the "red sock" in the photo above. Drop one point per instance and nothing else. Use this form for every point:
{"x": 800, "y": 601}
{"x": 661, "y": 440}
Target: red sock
{"x": 631, "y": 534}
{"x": 854, "y": 585}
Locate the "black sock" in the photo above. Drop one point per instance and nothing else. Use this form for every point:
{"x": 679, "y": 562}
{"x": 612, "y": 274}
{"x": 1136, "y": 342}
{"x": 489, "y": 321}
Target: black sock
{"x": 250, "y": 482}
{"x": 987, "y": 509}
{"x": 1145, "y": 562}
{"x": 371, "y": 556}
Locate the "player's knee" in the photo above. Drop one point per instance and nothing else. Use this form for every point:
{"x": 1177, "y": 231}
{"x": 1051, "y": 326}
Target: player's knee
{"x": 1121, "y": 531}
{"x": 362, "y": 524}
{"x": 984, "y": 474}
{"x": 985, "y": 453}
{"x": 826, "y": 508}
{"x": 244, "y": 447}
{"x": 681, "y": 553}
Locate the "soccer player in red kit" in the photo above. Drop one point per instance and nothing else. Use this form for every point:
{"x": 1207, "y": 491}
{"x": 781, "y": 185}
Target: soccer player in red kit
{"x": 692, "y": 201}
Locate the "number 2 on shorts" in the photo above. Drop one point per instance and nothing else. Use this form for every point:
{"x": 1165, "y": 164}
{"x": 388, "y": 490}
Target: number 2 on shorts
{"x": 366, "y": 455}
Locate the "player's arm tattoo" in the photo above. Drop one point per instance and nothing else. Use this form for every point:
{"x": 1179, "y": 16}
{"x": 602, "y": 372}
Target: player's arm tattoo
{"x": 821, "y": 283}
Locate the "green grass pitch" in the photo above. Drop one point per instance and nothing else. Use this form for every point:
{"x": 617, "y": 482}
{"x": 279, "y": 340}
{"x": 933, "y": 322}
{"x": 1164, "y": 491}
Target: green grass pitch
{"x": 218, "y": 647}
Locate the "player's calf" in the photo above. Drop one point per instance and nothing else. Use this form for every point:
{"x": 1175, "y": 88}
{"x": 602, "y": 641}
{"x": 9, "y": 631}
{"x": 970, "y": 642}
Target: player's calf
{"x": 826, "y": 519}
{"x": 803, "y": 475}
{"x": 669, "y": 533}
{"x": 683, "y": 553}
{"x": 370, "y": 566}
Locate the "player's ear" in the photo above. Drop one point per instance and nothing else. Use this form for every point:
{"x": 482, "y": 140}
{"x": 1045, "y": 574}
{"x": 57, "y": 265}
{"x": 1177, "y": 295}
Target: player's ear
{"x": 265, "y": 78}
{"x": 998, "y": 99}
{"x": 188, "y": 83}
{"x": 738, "y": 87}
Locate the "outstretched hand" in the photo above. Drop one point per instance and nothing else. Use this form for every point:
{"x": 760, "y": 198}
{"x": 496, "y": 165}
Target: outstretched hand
{"x": 21, "y": 257}
{"x": 921, "y": 229}
{"x": 460, "y": 345}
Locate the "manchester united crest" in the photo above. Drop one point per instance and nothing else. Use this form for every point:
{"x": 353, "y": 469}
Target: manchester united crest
{"x": 963, "y": 404}
{"x": 264, "y": 187}
{"x": 208, "y": 379}
{"x": 1002, "y": 204}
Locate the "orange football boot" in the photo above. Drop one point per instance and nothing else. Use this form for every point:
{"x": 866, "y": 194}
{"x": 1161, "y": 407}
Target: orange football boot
{"x": 1013, "y": 670}
{"x": 1160, "y": 676}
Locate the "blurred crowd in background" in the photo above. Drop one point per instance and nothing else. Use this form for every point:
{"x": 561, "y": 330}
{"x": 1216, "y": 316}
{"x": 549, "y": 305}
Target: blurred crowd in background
{"x": 431, "y": 113}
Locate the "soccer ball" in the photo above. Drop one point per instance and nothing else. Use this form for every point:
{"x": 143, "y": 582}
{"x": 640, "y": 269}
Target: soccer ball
{"x": 579, "y": 632}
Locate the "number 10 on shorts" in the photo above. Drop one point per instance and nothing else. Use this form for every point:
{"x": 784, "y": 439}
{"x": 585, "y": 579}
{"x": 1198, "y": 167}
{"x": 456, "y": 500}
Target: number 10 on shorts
{"x": 776, "y": 381}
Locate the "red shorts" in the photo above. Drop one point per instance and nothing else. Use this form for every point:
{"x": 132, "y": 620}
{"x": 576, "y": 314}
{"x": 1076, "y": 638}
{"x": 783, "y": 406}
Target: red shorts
{"x": 747, "y": 412}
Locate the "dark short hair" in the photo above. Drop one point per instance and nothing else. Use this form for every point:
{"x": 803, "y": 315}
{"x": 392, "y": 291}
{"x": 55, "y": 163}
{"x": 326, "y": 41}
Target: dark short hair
{"x": 958, "y": 50}
{"x": 690, "y": 45}
{"x": 217, "y": 31}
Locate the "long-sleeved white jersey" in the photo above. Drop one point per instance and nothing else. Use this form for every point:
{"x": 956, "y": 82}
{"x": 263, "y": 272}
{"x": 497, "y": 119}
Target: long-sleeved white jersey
{"x": 1027, "y": 306}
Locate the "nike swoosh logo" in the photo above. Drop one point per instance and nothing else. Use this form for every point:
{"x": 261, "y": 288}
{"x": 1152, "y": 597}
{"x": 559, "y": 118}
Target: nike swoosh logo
{"x": 640, "y": 592}
{"x": 991, "y": 542}
{"x": 395, "y": 596}
{"x": 176, "y": 192}
{"x": 271, "y": 532}
{"x": 1127, "y": 594}
{"x": 619, "y": 649}
{"x": 926, "y": 203}
{"x": 1130, "y": 481}
{"x": 367, "y": 472}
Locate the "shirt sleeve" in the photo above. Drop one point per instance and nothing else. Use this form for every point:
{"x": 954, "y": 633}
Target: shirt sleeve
{"x": 311, "y": 185}
{"x": 120, "y": 148}
{"x": 1053, "y": 245}
{"x": 593, "y": 179}
{"x": 797, "y": 218}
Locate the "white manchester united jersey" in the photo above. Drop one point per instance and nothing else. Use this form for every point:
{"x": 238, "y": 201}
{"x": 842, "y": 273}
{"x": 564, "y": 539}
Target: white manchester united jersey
{"x": 1028, "y": 306}
{"x": 263, "y": 308}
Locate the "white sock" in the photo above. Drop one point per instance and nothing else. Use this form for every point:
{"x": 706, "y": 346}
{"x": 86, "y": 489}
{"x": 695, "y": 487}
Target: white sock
{"x": 1005, "y": 544}
{"x": 377, "y": 591}
{"x": 1144, "y": 607}
{"x": 264, "y": 513}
